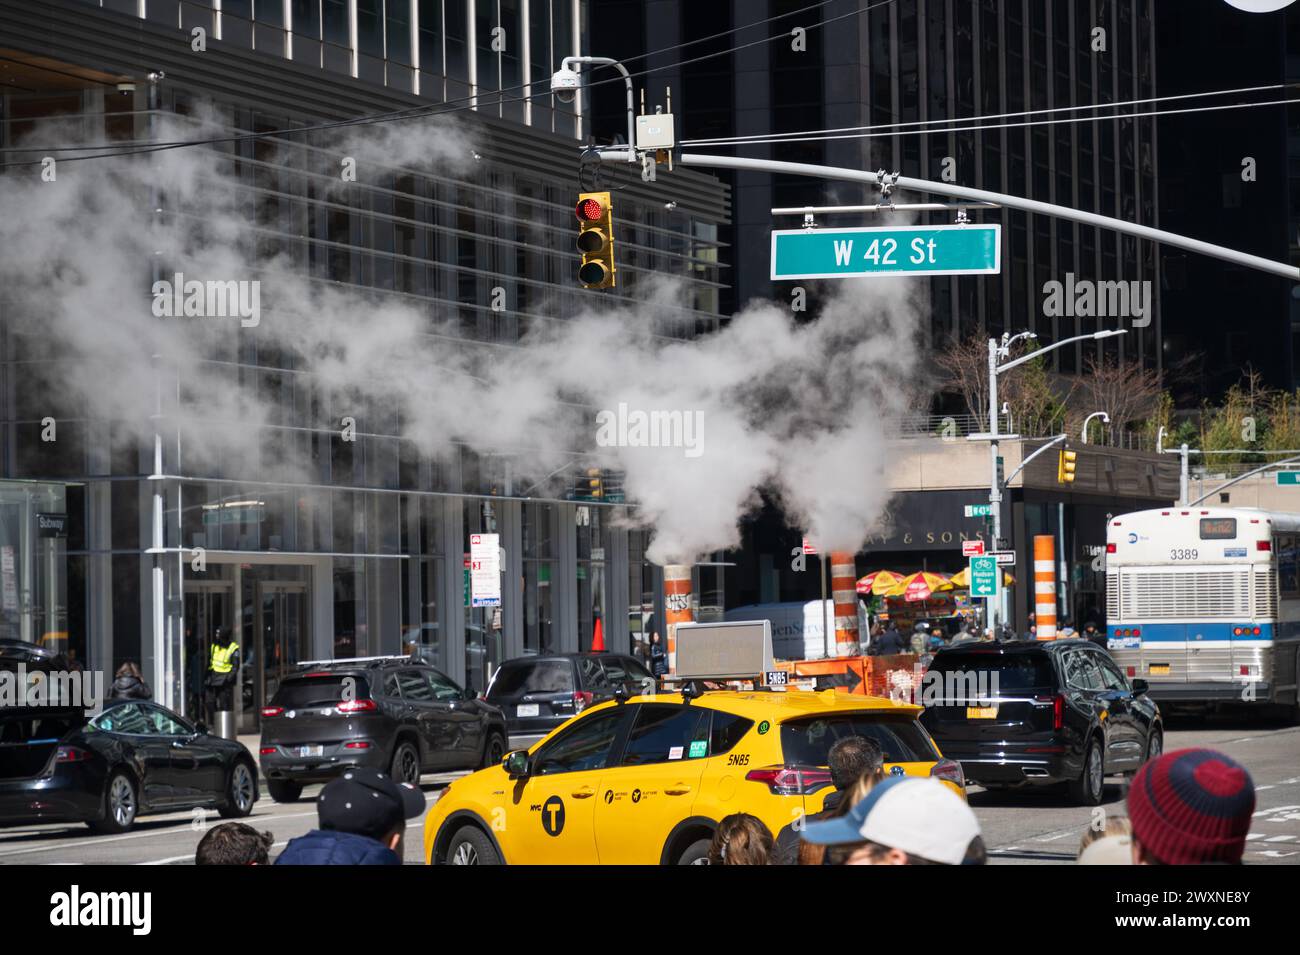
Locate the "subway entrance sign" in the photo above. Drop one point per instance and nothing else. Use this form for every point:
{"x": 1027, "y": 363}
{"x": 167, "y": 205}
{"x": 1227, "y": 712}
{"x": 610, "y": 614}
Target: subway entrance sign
{"x": 863, "y": 253}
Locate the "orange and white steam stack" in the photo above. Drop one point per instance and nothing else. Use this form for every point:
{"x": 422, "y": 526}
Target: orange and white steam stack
{"x": 845, "y": 592}
{"x": 677, "y": 605}
{"x": 1045, "y": 586}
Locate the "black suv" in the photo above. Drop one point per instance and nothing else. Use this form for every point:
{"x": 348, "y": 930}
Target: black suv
{"x": 538, "y": 693}
{"x": 1032, "y": 713}
{"x": 394, "y": 714}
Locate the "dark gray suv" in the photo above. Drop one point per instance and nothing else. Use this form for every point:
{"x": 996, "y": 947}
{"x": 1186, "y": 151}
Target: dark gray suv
{"x": 394, "y": 714}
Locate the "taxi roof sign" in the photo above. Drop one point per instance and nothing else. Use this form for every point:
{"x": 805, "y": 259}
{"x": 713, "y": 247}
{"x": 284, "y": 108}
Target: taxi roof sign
{"x": 726, "y": 650}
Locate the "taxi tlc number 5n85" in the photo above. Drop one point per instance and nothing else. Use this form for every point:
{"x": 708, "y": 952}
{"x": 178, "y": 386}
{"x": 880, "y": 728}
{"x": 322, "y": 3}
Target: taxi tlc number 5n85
{"x": 646, "y": 781}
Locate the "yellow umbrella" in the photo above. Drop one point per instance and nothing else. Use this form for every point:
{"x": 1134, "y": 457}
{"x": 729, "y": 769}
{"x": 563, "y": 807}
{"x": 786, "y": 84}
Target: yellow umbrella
{"x": 961, "y": 579}
{"x": 920, "y": 585}
{"x": 879, "y": 583}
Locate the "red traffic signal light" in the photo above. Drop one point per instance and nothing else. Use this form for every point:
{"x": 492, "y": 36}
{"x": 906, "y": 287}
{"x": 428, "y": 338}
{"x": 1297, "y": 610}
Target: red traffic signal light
{"x": 595, "y": 239}
{"x": 589, "y": 209}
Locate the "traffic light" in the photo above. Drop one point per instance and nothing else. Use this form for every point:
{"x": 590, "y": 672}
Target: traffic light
{"x": 1065, "y": 467}
{"x": 595, "y": 488}
{"x": 595, "y": 240}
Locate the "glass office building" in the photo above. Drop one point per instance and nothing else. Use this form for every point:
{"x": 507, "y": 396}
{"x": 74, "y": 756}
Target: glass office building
{"x": 364, "y": 551}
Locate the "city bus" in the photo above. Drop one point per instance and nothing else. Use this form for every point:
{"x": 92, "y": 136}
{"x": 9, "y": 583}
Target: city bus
{"x": 1204, "y": 604}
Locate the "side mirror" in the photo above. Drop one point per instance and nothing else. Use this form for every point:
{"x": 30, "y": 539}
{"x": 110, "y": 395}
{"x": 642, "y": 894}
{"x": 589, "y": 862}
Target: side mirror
{"x": 468, "y": 693}
{"x": 1140, "y": 687}
{"x": 516, "y": 764}
{"x": 201, "y": 728}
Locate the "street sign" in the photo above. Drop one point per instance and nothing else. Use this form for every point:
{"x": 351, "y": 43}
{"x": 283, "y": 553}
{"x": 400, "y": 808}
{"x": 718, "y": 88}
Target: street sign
{"x": 979, "y": 510}
{"x": 1288, "y": 477}
{"x": 972, "y": 548}
{"x": 1003, "y": 557}
{"x": 984, "y": 576}
{"x": 485, "y": 570}
{"x": 870, "y": 252}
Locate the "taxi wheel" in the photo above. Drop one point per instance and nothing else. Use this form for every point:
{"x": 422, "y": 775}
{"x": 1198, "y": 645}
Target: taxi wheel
{"x": 283, "y": 791}
{"x": 697, "y": 853}
{"x": 470, "y": 846}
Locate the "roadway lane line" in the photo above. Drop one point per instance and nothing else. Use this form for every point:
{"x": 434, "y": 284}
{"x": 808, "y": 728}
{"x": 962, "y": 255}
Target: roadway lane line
{"x": 103, "y": 840}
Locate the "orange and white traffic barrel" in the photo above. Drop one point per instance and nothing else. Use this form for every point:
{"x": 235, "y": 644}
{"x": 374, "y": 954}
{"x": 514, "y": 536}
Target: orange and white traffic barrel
{"x": 677, "y": 605}
{"x": 844, "y": 590}
{"x": 1045, "y": 586}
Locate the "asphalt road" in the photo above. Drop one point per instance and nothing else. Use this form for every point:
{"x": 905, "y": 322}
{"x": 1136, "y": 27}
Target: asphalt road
{"x": 1019, "y": 828}
{"x": 1043, "y": 827}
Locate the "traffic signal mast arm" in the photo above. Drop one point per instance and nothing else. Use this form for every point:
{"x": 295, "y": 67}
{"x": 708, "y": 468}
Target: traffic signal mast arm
{"x": 1012, "y": 202}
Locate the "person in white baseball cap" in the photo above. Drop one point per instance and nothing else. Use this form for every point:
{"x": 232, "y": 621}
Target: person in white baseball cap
{"x": 904, "y": 821}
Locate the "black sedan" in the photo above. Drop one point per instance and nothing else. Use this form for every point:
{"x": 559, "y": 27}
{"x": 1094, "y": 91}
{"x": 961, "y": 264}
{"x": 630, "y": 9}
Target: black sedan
{"x": 135, "y": 757}
{"x": 1039, "y": 712}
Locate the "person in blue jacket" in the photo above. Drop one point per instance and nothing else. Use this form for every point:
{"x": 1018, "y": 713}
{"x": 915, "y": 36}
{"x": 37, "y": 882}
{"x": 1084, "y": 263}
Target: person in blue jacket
{"x": 362, "y": 818}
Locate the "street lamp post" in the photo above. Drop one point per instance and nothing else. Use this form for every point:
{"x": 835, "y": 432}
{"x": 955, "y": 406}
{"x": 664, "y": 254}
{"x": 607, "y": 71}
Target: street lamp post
{"x": 1105, "y": 419}
{"x": 999, "y": 351}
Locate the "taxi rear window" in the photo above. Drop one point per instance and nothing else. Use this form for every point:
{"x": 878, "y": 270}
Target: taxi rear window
{"x": 808, "y": 741}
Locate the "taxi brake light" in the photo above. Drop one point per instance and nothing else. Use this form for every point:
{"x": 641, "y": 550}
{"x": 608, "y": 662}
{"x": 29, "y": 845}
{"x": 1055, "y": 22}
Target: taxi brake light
{"x": 950, "y": 770}
{"x": 791, "y": 780}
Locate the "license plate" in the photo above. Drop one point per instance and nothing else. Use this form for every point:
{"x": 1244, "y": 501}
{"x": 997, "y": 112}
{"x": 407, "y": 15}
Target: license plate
{"x": 1158, "y": 669}
{"x": 981, "y": 712}
{"x": 526, "y": 709}
{"x": 311, "y": 750}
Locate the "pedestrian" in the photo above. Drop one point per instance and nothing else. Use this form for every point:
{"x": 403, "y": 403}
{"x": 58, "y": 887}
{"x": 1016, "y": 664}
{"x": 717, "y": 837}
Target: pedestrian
{"x": 362, "y": 817}
{"x": 74, "y": 664}
{"x": 222, "y": 664}
{"x": 1032, "y": 632}
{"x": 129, "y": 684}
{"x": 890, "y": 642}
{"x": 1090, "y": 632}
{"x": 658, "y": 656}
{"x": 849, "y": 759}
{"x": 1066, "y": 629}
{"x": 903, "y": 821}
{"x": 1190, "y": 807}
{"x": 919, "y": 637}
{"x": 740, "y": 839}
{"x": 234, "y": 843}
{"x": 1107, "y": 844}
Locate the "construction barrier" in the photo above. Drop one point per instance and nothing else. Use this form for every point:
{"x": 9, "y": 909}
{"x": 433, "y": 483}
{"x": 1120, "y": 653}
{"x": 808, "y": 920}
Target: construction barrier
{"x": 893, "y": 675}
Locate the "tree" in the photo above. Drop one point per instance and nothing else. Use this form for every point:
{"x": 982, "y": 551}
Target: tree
{"x": 965, "y": 367}
{"x": 1129, "y": 393}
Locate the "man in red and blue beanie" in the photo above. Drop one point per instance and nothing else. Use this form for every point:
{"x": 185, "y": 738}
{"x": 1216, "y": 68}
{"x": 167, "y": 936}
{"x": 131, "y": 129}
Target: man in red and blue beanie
{"x": 1190, "y": 807}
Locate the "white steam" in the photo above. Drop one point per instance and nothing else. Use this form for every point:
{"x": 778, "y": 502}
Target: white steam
{"x": 800, "y": 410}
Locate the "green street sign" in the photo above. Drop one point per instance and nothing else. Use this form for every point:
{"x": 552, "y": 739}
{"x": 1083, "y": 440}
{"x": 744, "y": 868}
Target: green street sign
{"x": 985, "y": 576}
{"x": 1288, "y": 477}
{"x": 979, "y": 510}
{"x": 863, "y": 253}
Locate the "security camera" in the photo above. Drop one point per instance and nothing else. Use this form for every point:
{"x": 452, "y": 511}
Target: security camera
{"x": 564, "y": 84}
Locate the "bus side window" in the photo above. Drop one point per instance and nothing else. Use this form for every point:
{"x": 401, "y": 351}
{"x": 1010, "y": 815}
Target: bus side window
{"x": 1288, "y": 583}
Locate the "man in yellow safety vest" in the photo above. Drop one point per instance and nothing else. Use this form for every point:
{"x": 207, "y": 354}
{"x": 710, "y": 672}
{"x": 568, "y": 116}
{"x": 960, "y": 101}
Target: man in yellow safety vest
{"x": 222, "y": 664}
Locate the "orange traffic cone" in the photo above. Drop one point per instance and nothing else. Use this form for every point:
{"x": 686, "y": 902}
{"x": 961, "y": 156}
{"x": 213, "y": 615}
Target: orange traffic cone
{"x": 597, "y": 639}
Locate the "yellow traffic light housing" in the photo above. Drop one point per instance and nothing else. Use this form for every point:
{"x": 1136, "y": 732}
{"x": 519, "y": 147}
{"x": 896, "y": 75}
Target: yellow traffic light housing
{"x": 595, "y": 240}
{"x": 595, "y": 485}
{"x": 1065, "y": 465}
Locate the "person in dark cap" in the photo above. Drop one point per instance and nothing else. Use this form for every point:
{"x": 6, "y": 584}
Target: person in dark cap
{"x": 1190, "y": 807}
{"x": 362, "y": 817}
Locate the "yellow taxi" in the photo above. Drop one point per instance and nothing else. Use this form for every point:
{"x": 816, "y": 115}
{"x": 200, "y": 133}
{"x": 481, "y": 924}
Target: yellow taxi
{"x": 646, "y": 780}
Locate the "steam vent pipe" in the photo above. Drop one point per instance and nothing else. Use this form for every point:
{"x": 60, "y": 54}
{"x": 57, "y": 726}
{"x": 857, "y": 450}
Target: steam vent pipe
{"x": 845, "y": 592}
{"x": 677, "y": 605}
